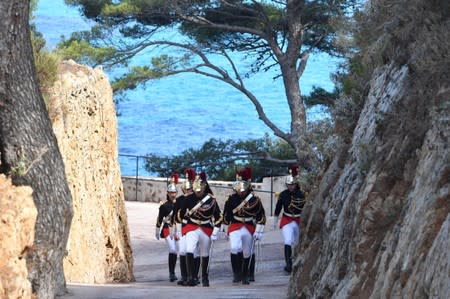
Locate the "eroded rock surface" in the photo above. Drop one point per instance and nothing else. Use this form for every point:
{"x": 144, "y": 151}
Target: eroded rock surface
{"x": 84, "y": 120}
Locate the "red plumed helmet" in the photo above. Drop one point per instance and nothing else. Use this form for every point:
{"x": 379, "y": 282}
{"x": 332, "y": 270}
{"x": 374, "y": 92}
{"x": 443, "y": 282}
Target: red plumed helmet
{"x": 175, "y": 177}
{"x": 203, "y": 176}
{"x": 244, "y": 174}
{"x": 199, "y": 183}
{"x": 293, "y": 169}
{"x": 189, "y": 177}
{"x": 189, "y": 174}
{"x": 243, "y": 179}
{"x": 292, "y": 178}
{"x": 172, "y": 187}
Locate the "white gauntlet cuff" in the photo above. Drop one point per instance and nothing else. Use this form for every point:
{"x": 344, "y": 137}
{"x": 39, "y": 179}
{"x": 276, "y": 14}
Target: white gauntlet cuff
{"x": 215, "y": 231}
{"x": 259, "y": 228}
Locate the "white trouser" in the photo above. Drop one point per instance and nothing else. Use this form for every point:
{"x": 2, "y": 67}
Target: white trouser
{"x": 172, "y": 244}
{"x": 182, "y": 247}
{"x": 198, "y": 240}
{"x": 291, "y": 233}
{"x": 241, "y": 240}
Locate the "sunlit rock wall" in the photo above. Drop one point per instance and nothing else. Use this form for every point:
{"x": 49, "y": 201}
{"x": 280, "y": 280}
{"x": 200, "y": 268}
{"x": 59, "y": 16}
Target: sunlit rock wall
{"x": 17, "y": 219}
{"x": 83, "y": 116}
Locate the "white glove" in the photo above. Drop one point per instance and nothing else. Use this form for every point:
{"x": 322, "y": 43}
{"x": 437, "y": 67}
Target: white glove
{"x": 258, "y": 236}
{"x": 178, "y": 231}
{"x": 223, "y": 234}
{"x": 172, "y": 232}
{"x": 258, "y": 232}
{"x": 215, "y": 234}
{"x": 157, "y": 233}
{"x": 275, "y": 222}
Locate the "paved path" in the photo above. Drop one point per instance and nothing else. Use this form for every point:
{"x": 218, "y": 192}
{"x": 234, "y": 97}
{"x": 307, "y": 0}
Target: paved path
{"x": 151, "y": 271}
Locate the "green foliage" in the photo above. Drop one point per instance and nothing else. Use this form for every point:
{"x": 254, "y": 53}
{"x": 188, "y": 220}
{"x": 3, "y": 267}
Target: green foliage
{"x": 121, "y": 9}
{"x": 160, "y": 66}
{"x": 84, "y": 52}
{"x": 321, "y": 134}
{"x": 21, "y": 168}
{"x": 320, "y": 96}
{"x": 138, "y": 20}
{"x": 33, "y": 6}
{"x": 220, "y": 159}
{"x": 46, "y": 62}
{"x": 353, "y": 77}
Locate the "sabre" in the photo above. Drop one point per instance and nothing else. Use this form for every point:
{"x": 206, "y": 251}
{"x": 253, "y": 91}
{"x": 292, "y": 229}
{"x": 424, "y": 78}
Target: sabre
{"x": 251, "y": 252}
{"x": 210, "y": 256}
{"x": 259, "y": 256}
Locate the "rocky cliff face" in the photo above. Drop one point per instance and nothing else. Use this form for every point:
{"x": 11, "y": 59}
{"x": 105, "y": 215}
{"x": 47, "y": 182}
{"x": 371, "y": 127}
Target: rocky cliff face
{"x": 17, "y": 221}
{"x": 82, "y": 112}
{"x": 379, "y": 226}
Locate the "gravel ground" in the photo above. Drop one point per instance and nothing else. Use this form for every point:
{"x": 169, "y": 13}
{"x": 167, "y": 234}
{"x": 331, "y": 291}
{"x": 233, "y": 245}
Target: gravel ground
{"x": 151, "y": 270}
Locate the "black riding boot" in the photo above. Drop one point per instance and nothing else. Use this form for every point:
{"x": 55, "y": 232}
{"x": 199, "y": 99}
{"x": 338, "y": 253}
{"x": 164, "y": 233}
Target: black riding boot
{"x": 245, "y": 263}
{"x": 205, "y": 280}
{"x": 236, "y": 266}
{"x": 196, "y": 269}
{"x": 183, "y": 270}
{"x": 172, "y": 263}
{"x": 190, "y": 269}
{"x": 288, "y": 258}
{"x": 251, "y": 268}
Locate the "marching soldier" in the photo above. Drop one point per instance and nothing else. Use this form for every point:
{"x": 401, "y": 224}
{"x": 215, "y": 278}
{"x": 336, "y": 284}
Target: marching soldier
{"x": 186, "y": 188}
{"x": 245, "y": 218}
{"x": 291, "y": 201}
{"x": 202, "y": 219}
{"x": 164, "y": 224}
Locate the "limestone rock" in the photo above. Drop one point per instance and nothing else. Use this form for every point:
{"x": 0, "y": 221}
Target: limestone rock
{"x": 17, "y": 221}
{"x": 83, "y": 116}
{"x": 379, "y": 224}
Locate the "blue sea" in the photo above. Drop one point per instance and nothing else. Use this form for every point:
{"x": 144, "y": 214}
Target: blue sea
{"x": 173, "y": 114}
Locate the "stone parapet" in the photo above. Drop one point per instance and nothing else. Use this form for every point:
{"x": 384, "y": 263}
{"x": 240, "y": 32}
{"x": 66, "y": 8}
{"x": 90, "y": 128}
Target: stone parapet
{"x": 153, "y": 189}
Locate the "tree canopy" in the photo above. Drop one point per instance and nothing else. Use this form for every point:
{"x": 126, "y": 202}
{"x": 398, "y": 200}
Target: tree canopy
{"x": 272, "y": 34}
{"x": 220, "y": 159}
{"x": 267, "y": 156}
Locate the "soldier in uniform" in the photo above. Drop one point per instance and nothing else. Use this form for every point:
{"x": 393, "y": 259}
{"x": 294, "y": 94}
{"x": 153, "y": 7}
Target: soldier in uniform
{"x": 291, "y": 201}
{"x": 186, "y": 188}
{"x": 202, "y": 219}
{"x": 245, "y": 218}
{"x": 164, "y": 224}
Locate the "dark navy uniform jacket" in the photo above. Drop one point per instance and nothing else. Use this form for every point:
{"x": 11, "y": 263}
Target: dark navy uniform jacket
{"x": 292, "y": 204}
{"x": 207, "y": 216}
{"x": 248, "y": 215}
{"x": 165, "y": 217}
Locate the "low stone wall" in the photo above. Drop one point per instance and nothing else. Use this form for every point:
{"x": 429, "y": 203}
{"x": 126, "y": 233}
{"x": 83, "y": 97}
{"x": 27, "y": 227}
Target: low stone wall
{"x": 153, "y": 189}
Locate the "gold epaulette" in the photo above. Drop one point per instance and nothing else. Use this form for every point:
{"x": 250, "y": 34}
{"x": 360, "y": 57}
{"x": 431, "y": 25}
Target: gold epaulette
{"x": 161, "y": 202}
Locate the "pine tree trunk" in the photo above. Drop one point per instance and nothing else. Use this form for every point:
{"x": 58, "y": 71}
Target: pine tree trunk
{"x": 29, "y": 151}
